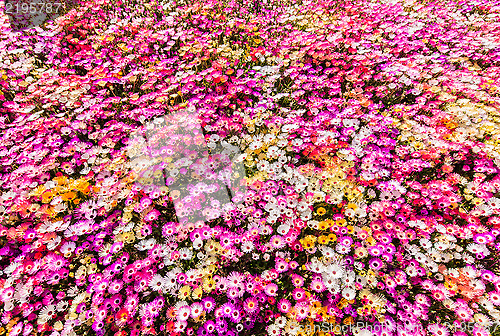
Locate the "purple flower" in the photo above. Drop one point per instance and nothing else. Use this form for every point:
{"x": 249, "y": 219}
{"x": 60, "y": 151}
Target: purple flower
{"x": 221, "y": 326}
{"x": 209, "y": 326}
{"x": 208, "y": 304}
{"x": 375, "y": 264}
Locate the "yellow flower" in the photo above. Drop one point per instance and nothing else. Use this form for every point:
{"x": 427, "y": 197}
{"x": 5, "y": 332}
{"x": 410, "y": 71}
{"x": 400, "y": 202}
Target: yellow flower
{"x": 341, "y": 222}
{"x": 38, "y": 190}
{"x": 450, "y": 286}
{"x": 477, "y": 201}
{"x": 351, "y": 194}
{"x": 308, "y": 242}
{"x": 323, "y": 225}
{"x": 480, "y": 318}
{"x": 58, "y": 326}
{"x": 127, "y": 216}
{"x": 321, "y": 211}
{"x": 146, "y": 181}
{"x": 130, "y": 238}
{"x": 197, "y": 293}
{"x": 217, "y": 247}
{"x": 92, "y": 268}
{"x": 352, "y": 206}
{"x": 323, "y": 240}
{"x": 51, "y": 212}
{"x": 60, "y": 189}
{"x": 208, "y": 285}
{"x": 184, "y": 292}
{"x": 210, "y": 246}
{"x": 319, "y": 197}
{"x": 418, "y": 145}
{"x": 332, "y": 237}
{"x": 83, "y": 186}
{"x": 61, "y": 180}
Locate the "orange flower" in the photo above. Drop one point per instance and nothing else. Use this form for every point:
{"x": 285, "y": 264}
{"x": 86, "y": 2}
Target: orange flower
{"x": 447, "y": 168}
{"x": 349, "y": 320}
{"x": 69, "y": 196}
{"x": 366, "y": 103}
{"x": 171, "y": 313}
{"x": 47, "y": 237}
{"x": 12, "y": 233}
{"x": 83, "y": 186}
{"x": 47, "y": 196}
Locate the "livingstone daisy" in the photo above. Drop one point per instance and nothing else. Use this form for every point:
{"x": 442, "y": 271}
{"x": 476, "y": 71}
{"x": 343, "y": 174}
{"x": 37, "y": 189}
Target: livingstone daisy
{"x": 346, "y": 151}
{"x": 251, "y": 305}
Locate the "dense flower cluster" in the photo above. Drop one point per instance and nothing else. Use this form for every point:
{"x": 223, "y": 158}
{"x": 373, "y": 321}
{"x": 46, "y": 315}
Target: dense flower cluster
{"x": 356, "y": 143}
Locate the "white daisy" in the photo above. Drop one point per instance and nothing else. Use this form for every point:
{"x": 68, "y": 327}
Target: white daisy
{"x": 47, "y": 313}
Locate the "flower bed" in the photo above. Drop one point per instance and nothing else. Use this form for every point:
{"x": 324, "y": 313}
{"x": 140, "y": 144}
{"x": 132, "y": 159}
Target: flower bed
{"x": 251, "y": 168}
